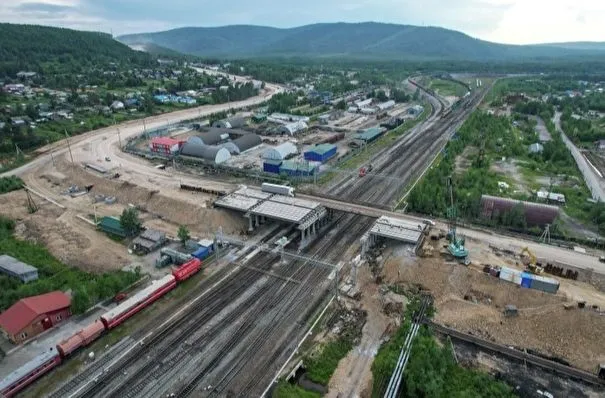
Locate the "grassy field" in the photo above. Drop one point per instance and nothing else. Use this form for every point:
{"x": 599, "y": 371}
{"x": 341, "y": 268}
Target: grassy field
{"x": 447, "y": 87}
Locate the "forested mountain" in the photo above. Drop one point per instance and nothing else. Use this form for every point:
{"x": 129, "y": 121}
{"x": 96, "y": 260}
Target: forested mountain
{"x": 42, "y": 49}
{"x": 580, "y": 45}
{"x": 351, "y": 40}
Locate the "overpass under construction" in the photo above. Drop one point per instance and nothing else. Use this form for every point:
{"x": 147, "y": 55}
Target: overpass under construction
{"x": 311, "y": 213}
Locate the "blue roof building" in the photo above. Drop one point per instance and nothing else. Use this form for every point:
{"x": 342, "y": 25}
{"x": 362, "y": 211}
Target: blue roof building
{"x": 321, "y": 153}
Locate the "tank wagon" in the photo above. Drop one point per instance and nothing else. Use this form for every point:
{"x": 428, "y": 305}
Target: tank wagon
{"x": 278, "y": 189}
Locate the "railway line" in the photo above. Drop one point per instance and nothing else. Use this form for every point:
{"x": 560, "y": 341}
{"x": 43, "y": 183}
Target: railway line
{"x": 235, "y": 339}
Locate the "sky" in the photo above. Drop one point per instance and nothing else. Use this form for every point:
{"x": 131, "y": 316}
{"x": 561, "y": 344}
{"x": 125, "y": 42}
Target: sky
{"x": 504, "y": 21}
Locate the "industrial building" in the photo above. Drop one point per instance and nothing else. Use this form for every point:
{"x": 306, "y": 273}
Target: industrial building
{"x": 360, "y": 104}
{"x": 366, "y": 136}
{"x": 235, "y": 122}
{"x": 212, "y": 136}
{"x": 536, "y": 214}
{"x": 415, "y": 110}
{"x": 286, "y": 118}
{"x": 214, "y": 154}
{"x": 294, "y": 168}
{"x": 148, "y": 241}
{"x": 321, "y": 153}
{"x": 280, "y": 152}
{"x": 292, "y": 128}
{"x": 31, "y": 316}
{"x": 386, "y": 105}
{"x": 12, "y": 267}
{"x": 112, "y": 225}
{"x": 165, "y": 145}
{"x": 247, "y": 141}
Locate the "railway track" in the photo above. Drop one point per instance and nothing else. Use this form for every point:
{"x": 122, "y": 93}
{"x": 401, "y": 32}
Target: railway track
{"x": 235, "y": 339}
{"x": 553, "y": 366}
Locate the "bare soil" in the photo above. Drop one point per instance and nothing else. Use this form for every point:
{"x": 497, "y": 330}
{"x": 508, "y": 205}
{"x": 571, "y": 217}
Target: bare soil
{"x": 471, "y": 301}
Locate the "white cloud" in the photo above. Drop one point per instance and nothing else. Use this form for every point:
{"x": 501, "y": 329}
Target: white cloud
{"x": 509, "y": 21}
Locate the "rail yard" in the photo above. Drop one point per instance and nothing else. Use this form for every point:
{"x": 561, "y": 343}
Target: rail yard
{"x": 238, "y": 329}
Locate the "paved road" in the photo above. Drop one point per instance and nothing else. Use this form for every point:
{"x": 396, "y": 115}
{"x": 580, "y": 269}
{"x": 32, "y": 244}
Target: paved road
{"x": 593, "y": 181}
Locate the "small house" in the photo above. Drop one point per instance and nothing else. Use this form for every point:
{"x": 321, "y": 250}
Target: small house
{"x": 536, "y": 148}
{"x": 112, "y": 225}
{"x": 117, "y": 105}
{"x": 165, "y": 145}
{"x": 149, "y": 241}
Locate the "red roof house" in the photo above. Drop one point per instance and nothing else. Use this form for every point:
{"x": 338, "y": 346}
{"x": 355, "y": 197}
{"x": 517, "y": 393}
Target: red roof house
{"x": 165, "y": 145}
{"x": 31, "y": 316}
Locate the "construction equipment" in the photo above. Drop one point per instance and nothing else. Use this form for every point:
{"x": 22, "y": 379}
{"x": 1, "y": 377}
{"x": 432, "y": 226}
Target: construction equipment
{"x": 456, "y": 246}
{"x": 530, "y": 261}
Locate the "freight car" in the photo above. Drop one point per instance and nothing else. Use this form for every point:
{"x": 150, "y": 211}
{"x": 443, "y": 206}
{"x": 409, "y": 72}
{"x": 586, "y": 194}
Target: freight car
{"x": 28, "y": 373}
{"x": 186, "y": 270}
{"x": 140, "y": 300}
{"x": 81, "y": 338}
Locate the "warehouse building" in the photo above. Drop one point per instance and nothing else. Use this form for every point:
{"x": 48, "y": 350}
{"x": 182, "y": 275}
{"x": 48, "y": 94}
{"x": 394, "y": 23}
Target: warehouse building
{"x": 321, "y": 153}
{"x": 247, "y": 141}
{"x": 31, "y": 316}
{"x": 386, "y": 105}
{"x": 12, "y": 267}
{"x": 415, "y": 110}
{"x": 149, "y": 241}
{"x": 363, "y": 103}
{"x": 211, "y": 137}
{"x": 112, "y": 225}
{"x": 231, "y": 147}
{"x": 214, "y": 154}
{"x": 165, "y": 145}
{"x": 235, "y": 122}
{"x": 280, "y": 152}
{"x": 297, "y": 169}
{"x": 292, "y": 128}
{"x": 366, "y": 136}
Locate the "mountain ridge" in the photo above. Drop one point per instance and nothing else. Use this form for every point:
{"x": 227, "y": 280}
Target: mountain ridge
{"x": 352, "y": 40}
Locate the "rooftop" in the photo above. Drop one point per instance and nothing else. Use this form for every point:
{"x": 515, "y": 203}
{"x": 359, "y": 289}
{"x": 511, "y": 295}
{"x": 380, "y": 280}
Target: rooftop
{"x": 15, "y": 266}
{"x": 322, "y": 148}
{"x": 165, "y": 141}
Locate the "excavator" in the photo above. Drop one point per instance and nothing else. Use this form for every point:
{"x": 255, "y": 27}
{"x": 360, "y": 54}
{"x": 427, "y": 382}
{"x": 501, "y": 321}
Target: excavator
{"x": 530, "y": 261}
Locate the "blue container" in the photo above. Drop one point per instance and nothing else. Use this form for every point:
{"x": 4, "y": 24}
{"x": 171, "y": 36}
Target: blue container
{"x": 201, "y": 253}
{"x": 271, "y": 166}
{"x": 526, "y": 280}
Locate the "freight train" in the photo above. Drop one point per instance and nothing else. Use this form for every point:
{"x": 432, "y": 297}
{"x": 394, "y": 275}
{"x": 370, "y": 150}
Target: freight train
{"x": 48, "y": 360}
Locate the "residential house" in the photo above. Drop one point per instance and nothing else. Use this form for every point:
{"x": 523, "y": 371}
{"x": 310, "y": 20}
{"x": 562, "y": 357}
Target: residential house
{"x": 536, "y": 148}
{"x": 117, "y": 106}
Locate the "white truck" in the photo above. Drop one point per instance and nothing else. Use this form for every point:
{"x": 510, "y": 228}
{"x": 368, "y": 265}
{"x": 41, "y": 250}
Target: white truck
{"x": 278, "y": 189}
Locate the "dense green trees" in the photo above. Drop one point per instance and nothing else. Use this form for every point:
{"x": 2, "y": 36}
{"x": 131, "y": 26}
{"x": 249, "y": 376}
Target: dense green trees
{"x": 183, "y": 234}
{"x": 8, "y": 184}
{"x": 52, "y": 51}
{"x": 130, "y": 221}
{"x": 282, "y": 102}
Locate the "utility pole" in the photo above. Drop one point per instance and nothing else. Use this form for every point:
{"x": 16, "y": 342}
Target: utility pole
{"x": 69, "y": 147}
{"x": 119, "y": 139}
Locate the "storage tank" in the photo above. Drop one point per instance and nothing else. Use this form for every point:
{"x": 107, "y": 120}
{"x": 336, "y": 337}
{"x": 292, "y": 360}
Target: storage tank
{"x": 278, "y": 189}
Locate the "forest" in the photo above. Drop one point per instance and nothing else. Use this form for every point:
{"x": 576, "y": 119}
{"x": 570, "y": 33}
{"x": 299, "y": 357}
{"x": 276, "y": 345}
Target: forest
{"x": 50, "y": 51}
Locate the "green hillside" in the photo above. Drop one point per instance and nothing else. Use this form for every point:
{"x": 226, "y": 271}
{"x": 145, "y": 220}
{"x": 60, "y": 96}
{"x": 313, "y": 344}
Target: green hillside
{"x": 367, "y": 40}
{"x": 47, "y": 49}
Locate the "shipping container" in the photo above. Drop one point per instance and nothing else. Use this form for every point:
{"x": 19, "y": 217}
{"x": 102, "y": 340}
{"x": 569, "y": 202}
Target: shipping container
{"x": 201, "y": 253}
{"x": 544, "y": 284}
{"x": 510, "y": 275}
{"x": 208, "y": 244}
{"x": 526, "y": 279}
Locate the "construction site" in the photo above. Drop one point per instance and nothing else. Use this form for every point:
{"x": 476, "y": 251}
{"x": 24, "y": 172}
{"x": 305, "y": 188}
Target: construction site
{"x": 297, "y": 269}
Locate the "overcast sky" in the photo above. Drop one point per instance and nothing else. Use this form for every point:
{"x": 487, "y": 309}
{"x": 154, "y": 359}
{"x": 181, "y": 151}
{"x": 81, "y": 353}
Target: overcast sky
{"x": 506, "y": 21}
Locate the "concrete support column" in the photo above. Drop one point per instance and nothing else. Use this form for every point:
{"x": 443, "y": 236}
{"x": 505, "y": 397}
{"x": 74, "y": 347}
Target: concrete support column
{"x": 313, "y": 228}
{"x": 250, "y": 227}
{"x": 256, "y": 223}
